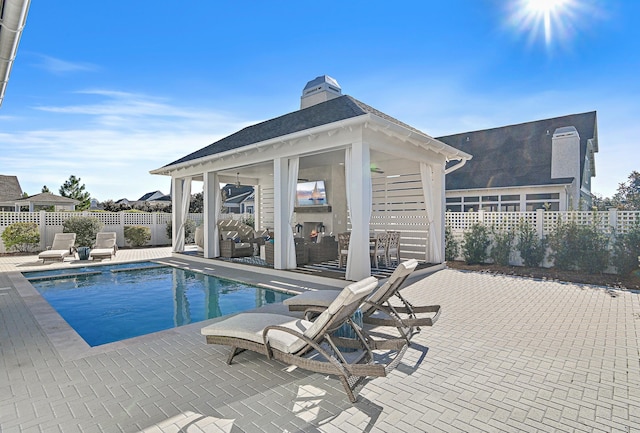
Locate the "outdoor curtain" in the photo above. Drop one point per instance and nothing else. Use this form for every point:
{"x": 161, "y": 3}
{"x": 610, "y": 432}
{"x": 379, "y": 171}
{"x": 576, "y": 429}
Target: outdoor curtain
{"x": 434, "y": 244}
{"x": 294, "y": 163}
{"x": 184, "y": 209}
{"x": 358, "y": 261}
{"x": 217, "y": 200}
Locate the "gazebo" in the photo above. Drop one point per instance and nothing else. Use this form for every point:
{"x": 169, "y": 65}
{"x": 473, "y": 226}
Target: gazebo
{"x": 378, "y": 172}
{"x": 46, "y": 199}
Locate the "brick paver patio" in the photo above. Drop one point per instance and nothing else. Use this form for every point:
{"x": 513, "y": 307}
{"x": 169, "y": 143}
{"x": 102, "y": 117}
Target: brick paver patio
{"x": 508, "y": 354}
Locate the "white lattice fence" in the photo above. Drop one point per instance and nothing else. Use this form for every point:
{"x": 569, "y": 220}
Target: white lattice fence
{"x": 51, "y": 223}
{"x": 609, "y": 222}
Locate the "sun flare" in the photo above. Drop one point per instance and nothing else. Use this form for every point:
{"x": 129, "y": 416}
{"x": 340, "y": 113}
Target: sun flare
{"x": 553, "y": 20}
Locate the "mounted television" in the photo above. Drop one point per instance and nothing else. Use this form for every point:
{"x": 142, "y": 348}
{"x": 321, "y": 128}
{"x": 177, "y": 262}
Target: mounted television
{"x": 311, "y": 194}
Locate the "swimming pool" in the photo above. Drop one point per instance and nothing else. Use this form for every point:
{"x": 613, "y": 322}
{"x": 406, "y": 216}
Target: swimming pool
{"x": 110, "y": 303}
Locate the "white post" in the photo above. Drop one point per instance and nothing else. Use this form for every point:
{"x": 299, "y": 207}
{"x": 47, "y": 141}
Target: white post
{"x": 439, "y": 205}
{"x": 42, "y": 223}
{"x": 613, "y": 219}
{"x": 540, "y": 222}
{"x": 210, "y": 216}
{"x": 176, "y": 214}
{"x": 280, "y": 219}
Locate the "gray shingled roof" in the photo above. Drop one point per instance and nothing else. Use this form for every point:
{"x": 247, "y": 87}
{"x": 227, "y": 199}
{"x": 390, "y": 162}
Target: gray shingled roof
{"x": 515, "y": 155}
{"x": 9, "y": 188}
{"x": 337, "y": 109}
{"x": 46, "y": 198}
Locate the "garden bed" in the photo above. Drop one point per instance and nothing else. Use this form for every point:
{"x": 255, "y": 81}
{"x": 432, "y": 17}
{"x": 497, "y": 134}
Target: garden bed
{"x": 631, "y": 282}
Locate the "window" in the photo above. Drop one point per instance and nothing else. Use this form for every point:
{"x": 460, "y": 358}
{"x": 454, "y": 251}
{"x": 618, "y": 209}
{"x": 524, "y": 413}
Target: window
{"x": 547, "y": 196}
{"x": 510, "y": 197}
{"x": 510, "y": 207}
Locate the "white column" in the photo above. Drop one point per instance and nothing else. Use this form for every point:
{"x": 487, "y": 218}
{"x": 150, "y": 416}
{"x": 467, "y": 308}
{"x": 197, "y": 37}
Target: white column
{"x": 358, "y": 260}
{"x": 280, "y": 215}
{"x": 439, "y": 205}
{"x": 212, "y": 203}
{"x": 176, "y": 214}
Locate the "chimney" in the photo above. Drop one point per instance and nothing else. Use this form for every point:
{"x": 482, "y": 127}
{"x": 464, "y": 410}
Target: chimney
{"x": 565, "y": 160}
{"x": 320, "y": 89}
{"x": 565, "y": 153}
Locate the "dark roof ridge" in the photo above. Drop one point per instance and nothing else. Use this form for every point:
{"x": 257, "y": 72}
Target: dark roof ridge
{"x": 521, "y": 123}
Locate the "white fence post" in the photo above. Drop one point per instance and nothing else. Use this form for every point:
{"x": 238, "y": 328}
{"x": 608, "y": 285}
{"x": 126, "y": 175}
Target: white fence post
{"x": 540, "y": 222}
{"x": 613, "y": 219}
{"x": 42, "y": 225}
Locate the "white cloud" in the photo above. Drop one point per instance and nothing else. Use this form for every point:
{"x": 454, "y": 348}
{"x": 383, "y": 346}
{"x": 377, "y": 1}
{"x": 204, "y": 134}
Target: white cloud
{"x": 121, "y": 138}
{"x": 59, "y": 66}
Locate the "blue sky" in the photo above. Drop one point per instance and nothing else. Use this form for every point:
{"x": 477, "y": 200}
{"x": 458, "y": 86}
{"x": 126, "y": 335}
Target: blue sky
{"x": 109, "y": 91}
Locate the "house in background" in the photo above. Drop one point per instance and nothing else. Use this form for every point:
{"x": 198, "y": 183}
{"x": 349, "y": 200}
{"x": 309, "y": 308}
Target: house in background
{"x": 155, "y": 197}
{"x": 44, "y": 201}
{"x": 10, "y": 191}
{"x": 152, "y": 198}
{"x": 238, "y": 199}
{"x": 545, "y": 164}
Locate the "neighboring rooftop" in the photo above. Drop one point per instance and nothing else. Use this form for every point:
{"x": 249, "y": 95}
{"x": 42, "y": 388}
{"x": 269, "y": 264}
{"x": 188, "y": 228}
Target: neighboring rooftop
{"x": 10, "y": 189}
{"x": 515, "y": 155}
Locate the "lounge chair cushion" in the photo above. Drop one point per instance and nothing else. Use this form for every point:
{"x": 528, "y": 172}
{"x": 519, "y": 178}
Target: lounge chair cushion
{"x": 316, "y": 298}
{"x": 250, "y": 326}
{"x": 54, "y": 254}
{"x": 348, "y": 295}
{"x": 63, "y": 241}
{"x": 101, "y": 252}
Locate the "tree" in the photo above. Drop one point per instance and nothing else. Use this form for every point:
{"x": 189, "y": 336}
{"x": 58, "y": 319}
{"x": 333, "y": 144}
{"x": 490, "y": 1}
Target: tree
{"x": 197, "y": 203}
{"x": 73, "y": 189}
{"x": 628, "y": 195}
{"x": 46, "y": 189}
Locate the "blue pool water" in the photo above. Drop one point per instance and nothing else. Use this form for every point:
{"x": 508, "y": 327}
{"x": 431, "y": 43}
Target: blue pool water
{"x": 104, "y": 304}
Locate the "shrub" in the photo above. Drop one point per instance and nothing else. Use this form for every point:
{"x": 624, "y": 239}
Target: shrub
{"x": 86, "y": 228}
{"x": 451, "y": 245}
{"x": 189, "y": 231}
{"x": 532, "y": 248}
{"x": 21, "y": 236}
{"x": 250, "y": 221}
{"x": 501, "y": 247}
{"x": 475, "y": 243}
{"x": 626, "y": 251}
{"x": 579, "y": 248}
{"x": 137, "y": 236}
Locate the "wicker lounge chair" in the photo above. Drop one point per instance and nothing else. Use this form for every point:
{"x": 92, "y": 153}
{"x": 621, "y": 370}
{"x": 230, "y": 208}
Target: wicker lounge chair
{"x": 63, "y": 246}
{"x": 105, "y": 246}
{"x": 377, "y": 309}
{"x": 309, "y": 345}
